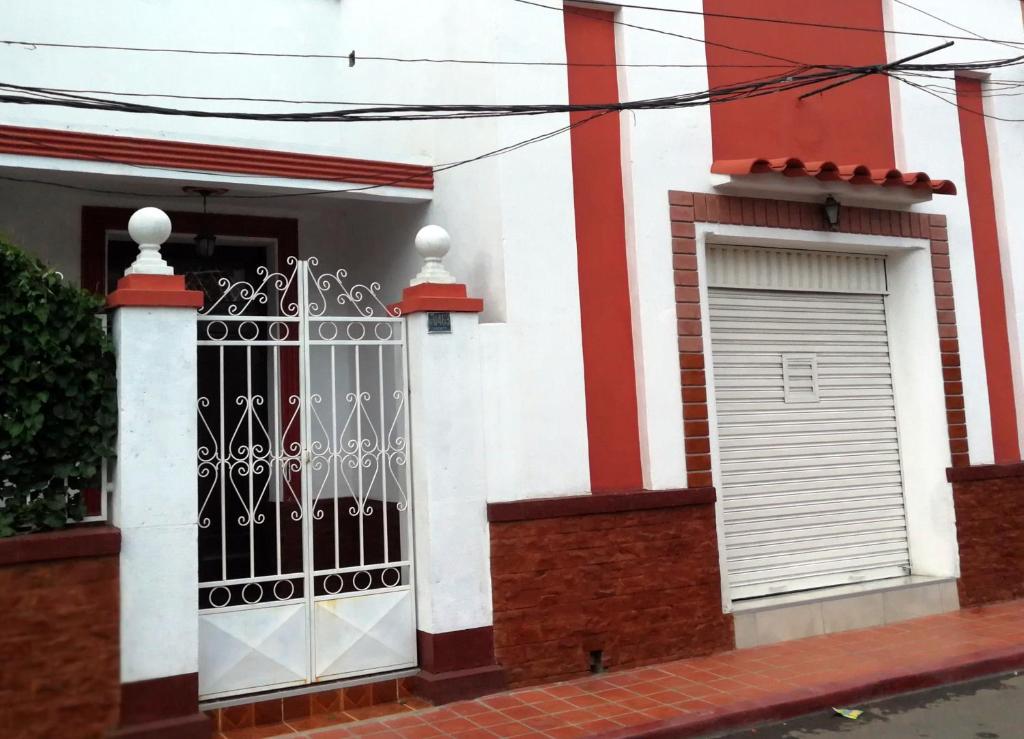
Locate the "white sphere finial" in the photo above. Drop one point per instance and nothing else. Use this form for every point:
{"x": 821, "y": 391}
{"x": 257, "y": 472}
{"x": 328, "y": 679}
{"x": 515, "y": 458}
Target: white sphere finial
{"x": 433, "y": 243}
{"x": 149, "y": 228}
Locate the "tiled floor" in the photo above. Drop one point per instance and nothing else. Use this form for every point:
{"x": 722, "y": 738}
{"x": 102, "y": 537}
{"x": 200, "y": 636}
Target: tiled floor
{"x": 301, "y": 726}
{"x": 710, "y": 688}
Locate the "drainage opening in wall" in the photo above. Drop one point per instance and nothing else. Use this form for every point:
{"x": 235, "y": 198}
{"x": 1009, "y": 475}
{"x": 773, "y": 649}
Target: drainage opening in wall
{"x": 597, "y": 661}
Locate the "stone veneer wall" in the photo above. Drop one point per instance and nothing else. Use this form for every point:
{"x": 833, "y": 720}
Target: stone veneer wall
{"x": 989, "y": 503}
{"x": 641, "y": 585}
{"x": 59, "y": 634}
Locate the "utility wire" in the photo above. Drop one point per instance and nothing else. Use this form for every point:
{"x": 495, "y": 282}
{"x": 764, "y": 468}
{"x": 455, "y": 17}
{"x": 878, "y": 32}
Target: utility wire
{"x": 875, "y": 70}
{"x": 977, "y": 36}
{"x": 429, "y": 60}
{"x": 754, "y": 88}
{"x": 954, "y": 103}
{"x": 360, "y": 58}
{"x": 807, "y": 24}
{"x": 508, "y": 62}
{"x": 352, "y": 58}
{"x": 568, "y": 10}
{"x": 29, "y": 95}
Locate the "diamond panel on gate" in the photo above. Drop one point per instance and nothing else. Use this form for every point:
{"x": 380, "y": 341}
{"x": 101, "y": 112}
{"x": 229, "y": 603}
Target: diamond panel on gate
{"x": 364, "y": 633}
{"x": 250, "y": 649}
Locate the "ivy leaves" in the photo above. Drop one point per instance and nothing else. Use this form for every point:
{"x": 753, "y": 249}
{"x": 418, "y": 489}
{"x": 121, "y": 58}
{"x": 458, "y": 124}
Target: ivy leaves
{"x": 58, "y": 411}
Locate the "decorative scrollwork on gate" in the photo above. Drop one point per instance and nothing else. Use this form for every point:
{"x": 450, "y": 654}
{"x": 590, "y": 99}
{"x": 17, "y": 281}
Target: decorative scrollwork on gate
{"x": 303, "y": 447}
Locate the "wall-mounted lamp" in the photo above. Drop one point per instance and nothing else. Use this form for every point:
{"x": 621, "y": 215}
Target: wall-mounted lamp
{"x": 206, "y": 241}
{"x": 831, "y": 209}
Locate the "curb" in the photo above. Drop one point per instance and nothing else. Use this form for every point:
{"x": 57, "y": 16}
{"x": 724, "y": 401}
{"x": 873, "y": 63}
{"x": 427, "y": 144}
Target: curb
{"x": 800, "y": 702}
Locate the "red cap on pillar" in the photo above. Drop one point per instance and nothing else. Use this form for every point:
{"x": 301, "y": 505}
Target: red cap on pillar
{"x": 434, "y": 288}
{"x": 150, "y": 281}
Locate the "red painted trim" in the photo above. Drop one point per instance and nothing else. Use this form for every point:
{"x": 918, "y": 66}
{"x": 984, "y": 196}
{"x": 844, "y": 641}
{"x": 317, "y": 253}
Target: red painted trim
{"x": 456, "y": 650}
{"x": 195, "y": 726}
{"x": 430, "y": 296}
{"x": 161, "y": 698}
{"x": 54, "y": 144}
{"x": 605, "y": 319}
{"x": 154, "y": 291}
{"x": 985, "y": 472}
{"x": 586, "y": 505}
{"x": 988, "y": 268}
{"x": 458, "y": 685}
{"x": 75, "y": 542}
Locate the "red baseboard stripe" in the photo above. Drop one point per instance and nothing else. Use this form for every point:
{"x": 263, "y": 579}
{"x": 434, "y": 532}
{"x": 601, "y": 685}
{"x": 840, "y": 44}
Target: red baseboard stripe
{"x": 984, "y": 472}
{"x": 75, "y": 542}
{"x": 582, "y": 505}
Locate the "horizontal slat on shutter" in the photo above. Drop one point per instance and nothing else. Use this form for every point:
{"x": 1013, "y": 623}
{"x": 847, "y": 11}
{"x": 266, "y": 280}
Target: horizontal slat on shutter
{"x": 811, "y": 491}
{"x": 762, "y": 537}
{"x": 765, "y": 485}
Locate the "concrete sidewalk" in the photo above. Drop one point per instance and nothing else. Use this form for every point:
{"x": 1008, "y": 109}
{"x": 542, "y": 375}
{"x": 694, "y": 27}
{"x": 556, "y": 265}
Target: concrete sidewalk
{"x": 696, "y": 696}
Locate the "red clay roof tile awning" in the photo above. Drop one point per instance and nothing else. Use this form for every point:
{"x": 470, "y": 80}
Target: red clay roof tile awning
{"x": 855, "y": 174}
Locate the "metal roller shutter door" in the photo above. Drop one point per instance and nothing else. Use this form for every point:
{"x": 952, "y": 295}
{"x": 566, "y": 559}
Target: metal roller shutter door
{"x": 811, "y": 485}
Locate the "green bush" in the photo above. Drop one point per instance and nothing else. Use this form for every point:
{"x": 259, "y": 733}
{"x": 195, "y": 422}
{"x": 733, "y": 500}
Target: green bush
{"x": 58, "y": 406}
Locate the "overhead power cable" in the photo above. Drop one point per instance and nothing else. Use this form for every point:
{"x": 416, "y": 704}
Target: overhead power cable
{"x": 977, "y": 36}
{"x": 30, "y": 95}
{"x": 753, "y": 88}
{"x": 32, "y": 44}
{"x": 578, "y": 11}
{"x": 953, "y": 102}
{"x": 353, "y": 57}
{"x": 360, "y": 58}
{"x": 876, "y": 70}
{"x": 790, "y": 22}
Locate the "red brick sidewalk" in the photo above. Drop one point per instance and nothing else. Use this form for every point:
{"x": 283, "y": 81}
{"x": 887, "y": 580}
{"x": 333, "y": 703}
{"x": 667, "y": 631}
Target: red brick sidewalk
{"x": 690, "y": 697}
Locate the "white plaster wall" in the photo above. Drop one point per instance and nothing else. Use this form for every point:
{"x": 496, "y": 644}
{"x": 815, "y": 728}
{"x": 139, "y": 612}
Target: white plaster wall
{"x": 511, "y": 217}
{"x": 661, "y": 151}
{"x": 929, "y": 136}
{"x": 921, "y": 415}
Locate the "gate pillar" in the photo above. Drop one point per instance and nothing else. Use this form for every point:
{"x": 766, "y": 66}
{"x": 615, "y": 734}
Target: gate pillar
{"x": 455, "y": 635}
{"x": 154, "y": 503}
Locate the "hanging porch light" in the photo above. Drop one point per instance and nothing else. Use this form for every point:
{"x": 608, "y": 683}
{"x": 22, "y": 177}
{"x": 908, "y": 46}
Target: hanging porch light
{"x": 206, "y": 240}
{"x": 831, "y": 208}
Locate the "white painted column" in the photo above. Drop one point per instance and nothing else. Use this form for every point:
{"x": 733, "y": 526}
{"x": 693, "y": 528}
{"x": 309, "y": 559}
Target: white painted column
{"x": 449, "y": 477}
{"x": 155, "y": 490}
{"x": 154, "y": 505}
{"x": 452, "y": 543}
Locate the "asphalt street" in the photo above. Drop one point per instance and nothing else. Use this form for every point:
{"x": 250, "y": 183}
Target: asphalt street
{"x": 987, "y": 708}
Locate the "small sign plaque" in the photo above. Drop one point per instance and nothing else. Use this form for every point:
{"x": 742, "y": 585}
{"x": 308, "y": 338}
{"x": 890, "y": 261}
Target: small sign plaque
{"x": 439, "y": 323}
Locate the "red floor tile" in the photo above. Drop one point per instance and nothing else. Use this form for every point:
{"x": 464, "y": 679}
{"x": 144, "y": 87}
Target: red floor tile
{"x": 711, "y": 687}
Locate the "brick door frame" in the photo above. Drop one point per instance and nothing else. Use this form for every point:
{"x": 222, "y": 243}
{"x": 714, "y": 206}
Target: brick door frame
{"x": 689, "y": 211}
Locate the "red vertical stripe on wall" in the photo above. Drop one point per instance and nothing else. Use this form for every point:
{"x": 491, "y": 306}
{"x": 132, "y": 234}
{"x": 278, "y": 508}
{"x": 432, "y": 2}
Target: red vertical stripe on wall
{"x": 601, "y": 248}
{"x": 987, "y": 266}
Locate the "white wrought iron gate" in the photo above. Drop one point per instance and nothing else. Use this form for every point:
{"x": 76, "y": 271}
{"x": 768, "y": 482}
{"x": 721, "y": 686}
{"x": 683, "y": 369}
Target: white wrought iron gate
{"x": 305, "y": 528}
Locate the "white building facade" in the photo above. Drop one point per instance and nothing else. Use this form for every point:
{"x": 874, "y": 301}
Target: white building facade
{"x": 656, "y": 401}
